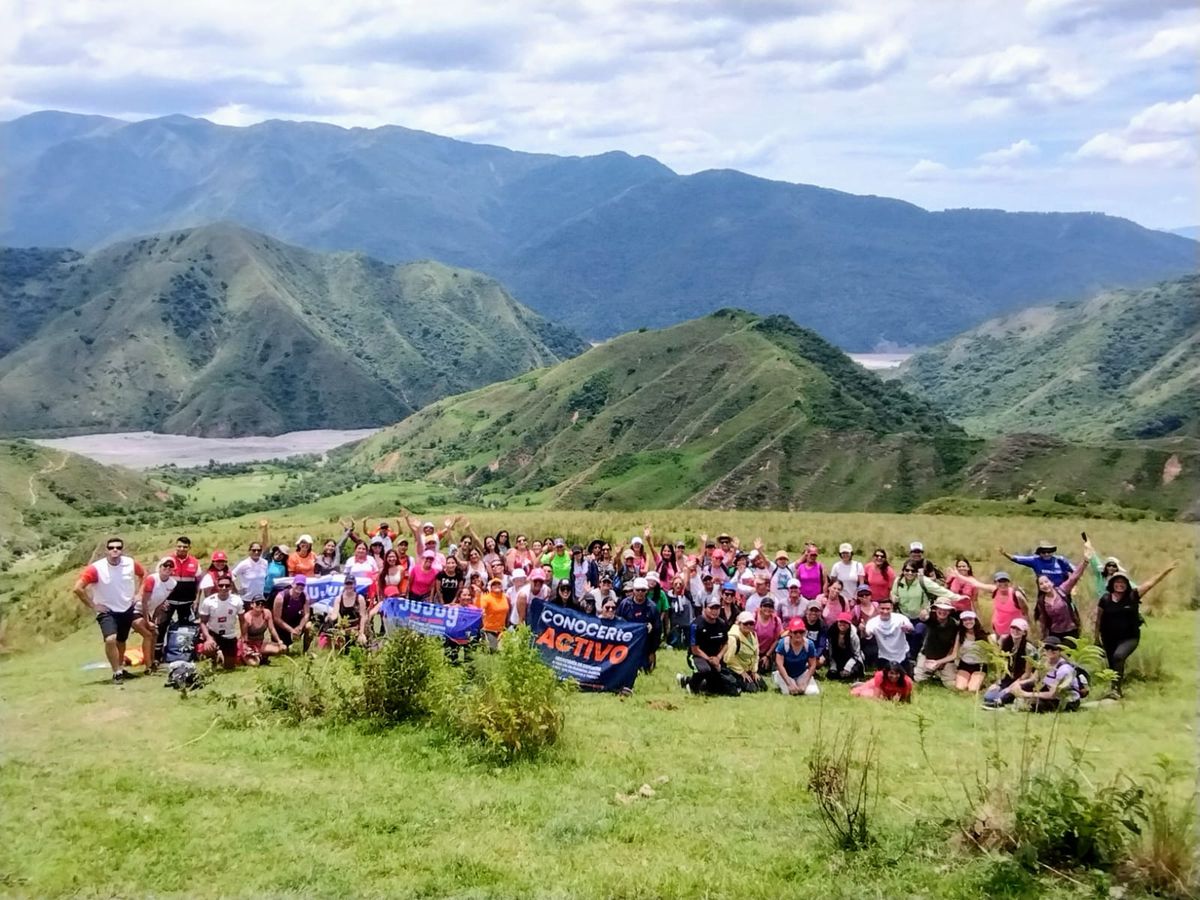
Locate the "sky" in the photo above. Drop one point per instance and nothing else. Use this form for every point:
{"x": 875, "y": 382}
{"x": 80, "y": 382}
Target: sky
{"x": 1009, "y": 104}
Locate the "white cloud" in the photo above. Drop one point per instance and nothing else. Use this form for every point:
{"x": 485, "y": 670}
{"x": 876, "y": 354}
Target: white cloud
{"x": 1020, "y": 73}
{"x": 1015, "y": 152}
{"x": 1068, "y": 15}
{"x": 1162, "y": 135}
{"x": 1183, "y": 40}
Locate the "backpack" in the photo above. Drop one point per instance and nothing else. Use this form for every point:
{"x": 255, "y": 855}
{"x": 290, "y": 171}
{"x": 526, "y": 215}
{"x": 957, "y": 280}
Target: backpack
{"x": 180, "y": 644}
{"x": 183, "y": 676}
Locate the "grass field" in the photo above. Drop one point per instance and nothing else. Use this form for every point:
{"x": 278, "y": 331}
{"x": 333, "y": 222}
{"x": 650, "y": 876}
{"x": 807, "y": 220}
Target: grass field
{"x": 220, "y": 491}
{"x": 163, "y": 799}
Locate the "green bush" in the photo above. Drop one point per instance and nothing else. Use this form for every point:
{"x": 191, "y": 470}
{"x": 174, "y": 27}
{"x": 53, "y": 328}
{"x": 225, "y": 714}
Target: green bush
{"x": 326, "y": 687}
{"x": 406, "y": 679}
{"x": 515, "y": 707}
{"x": 1166, "y": 863}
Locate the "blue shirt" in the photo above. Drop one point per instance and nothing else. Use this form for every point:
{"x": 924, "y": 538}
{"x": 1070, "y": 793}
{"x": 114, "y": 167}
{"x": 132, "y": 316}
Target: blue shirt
{"x": 795, "y": 662}
{"x": 1056, "y": 568}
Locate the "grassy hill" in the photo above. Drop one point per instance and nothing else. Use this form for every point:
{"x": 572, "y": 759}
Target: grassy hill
{"x": 729, "y": 410}
{"x": 222, "y": 331}
{"x": 1125, "y": 364}
{"x": 606, "y": 243}
{"x": 45, "y": 494}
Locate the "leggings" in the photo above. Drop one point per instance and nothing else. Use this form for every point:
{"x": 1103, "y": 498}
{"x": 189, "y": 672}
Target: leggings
{"x": 1118, "y": 652}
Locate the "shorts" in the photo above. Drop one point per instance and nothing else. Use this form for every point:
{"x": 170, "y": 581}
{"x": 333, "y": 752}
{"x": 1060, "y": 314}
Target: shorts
{"x": 971, "y": 668}
{"x": 116, "y": 623}
{"x": 227, "y": 645}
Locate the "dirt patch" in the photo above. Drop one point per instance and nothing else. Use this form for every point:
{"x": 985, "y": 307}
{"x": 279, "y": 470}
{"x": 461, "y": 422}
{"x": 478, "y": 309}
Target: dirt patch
{"x": 1171, "y": 469}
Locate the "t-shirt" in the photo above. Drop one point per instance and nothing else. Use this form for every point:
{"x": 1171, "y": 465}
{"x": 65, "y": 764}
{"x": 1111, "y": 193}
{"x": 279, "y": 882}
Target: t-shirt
{"x": 495, "y": 610}
{"x": 959, "y": 585}
{"x": 113, "y": 587}
{"x": 448, "y": 586}
{"x": 780, "y": 576}
{"x": 890, "y": 636}
{"x": 222, "y": 614}
{"x": 1056, "y": 568}
{"x": 889, "y": 690}
{"x": 560, "y": 564}
{"x": 939, "y": 637}
{"x": 795, "y": 662}
{"x": 156, "y": 591}
{"x": 741, "y": 652}
{"x": 849, "y": 574}
{"x": 879, "y": 580}
{"x": 302, "y": 565}
{"x": 1063, "y": 673}
{"x": 811, "y": 577}
{"x": 768, "y": 632}
{"x": 250, "y": 576}
{"x": 754, "y": 601}
{"x": 367, "y": 569}
{"x": 421, "y": 581}
{"x": 632, "y": 611}
{"x": 708, "y": 636}
{"x": 1120, "y": 621}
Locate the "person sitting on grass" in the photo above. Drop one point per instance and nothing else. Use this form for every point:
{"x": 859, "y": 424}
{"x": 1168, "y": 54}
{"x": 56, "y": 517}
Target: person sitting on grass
{"x": 257, "y": 625}
{"x": 1059, "y": 688}
{"x": 1015, "y": 645}
{"x": 768, "y": 628}
{"x": 939, "y": 650}
{"x": 292, "y": 612}
{"x": 891, "y": 682}
{"x": 346, "y": 621}
{"x": 221, "y": 623}
{"x": 972, "y": 661}
{"x": 796, "y": 661}
{"x": 890, "y": 631}
{"x": 708, "y": 637}
{"x": 741, "y": 653}
{"x": 845, "y": 651}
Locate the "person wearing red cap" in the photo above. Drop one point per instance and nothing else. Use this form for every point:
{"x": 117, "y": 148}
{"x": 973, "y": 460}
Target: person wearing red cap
{"x": 845, "y": 650}
{"x": 217, "y": 567}
{"x": 796, "y": 661}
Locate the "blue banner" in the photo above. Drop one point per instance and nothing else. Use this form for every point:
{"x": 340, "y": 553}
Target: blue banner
{"x": 456, "y": 623}
{"x": 322, "y": 590}
{"x": 600, "y": 654}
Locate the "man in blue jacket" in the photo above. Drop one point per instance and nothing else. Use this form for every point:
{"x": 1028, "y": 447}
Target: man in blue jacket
{"x": 1044, "y": 561}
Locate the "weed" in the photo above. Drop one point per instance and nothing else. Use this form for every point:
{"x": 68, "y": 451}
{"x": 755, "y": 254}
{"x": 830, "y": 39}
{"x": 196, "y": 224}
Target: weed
{"x": 405, "y": 679}
{"x": 843, "y": 776}
{"x": 1165, "y": 863}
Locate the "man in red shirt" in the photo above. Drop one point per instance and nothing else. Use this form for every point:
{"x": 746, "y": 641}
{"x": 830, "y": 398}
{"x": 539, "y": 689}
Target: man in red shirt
{"x": 183, "y": 597}
{"x": 112, "y": 589}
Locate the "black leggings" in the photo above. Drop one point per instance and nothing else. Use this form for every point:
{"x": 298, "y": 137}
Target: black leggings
{"x": 1118, "y": 652}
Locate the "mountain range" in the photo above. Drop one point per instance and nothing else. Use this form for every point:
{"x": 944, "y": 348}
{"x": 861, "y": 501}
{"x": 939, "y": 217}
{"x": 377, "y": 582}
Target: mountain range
{"x": 1124, "y": 364}
{"x": 221, "y": 331}
{"x": 603, "y": 244}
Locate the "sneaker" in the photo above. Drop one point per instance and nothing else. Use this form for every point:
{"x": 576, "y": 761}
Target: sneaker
{"x": 119, "y": 677}
{"x": 683, "y": 681}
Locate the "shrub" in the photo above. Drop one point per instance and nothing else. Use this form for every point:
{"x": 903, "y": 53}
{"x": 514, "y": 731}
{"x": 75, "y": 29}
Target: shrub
{"x": 1165, "y": 863}
{"x": 405, "y": 679}
{"x": 843, "y": 776}
{"x": 324, "y": 687}
{"x": 515, "y": 707}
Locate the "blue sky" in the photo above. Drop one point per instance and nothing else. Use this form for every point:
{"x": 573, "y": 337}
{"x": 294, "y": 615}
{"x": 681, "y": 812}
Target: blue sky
{"x": 1035, "y": 105}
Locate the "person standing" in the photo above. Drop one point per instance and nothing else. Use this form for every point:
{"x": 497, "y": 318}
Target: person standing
{"x": 250, "y": 574}
{"x": 849, "y": 571}
{"x": 112, "y": 589}
{"x": 1044, "y": 561}
{"x": 1118, "y": 624}
{"x": 183, "y": 598}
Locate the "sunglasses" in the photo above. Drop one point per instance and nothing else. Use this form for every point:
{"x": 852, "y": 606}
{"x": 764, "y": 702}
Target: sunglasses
{"x": 116, "y": 547}
{"x": 224, "y": 584}
{"x": 608, "y": 607}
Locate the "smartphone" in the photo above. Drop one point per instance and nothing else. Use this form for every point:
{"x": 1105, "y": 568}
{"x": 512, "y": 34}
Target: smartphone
{"x": 1083, "y": 534}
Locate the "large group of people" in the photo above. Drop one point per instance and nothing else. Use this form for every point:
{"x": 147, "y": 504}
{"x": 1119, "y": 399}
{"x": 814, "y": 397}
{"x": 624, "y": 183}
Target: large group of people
{"x": 747, "y": 620}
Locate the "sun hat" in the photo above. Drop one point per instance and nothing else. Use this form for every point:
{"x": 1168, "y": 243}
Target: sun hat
{"x": 304, "y": 539}
{"x": 943, "y": 603}
{"x": 796, "y": 624}
{"x": 781, "y": 554}
{"x": 745, "y": 618}
{"x": 724, "y": 537}
{"x": 1114, "y": 576}
{"x": 1045, "y": 545}
{"x": 845, "y": 548}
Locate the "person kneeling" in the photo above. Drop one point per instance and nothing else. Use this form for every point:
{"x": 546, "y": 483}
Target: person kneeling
{"x": 939, "y": 649}
{"x": 796, "y": 661}
{"x": 708, "y": 635}
{"x": 845, "y": 650}
{"x": 1060, "y": 688}
{"x": 741, "y": 653}
{"x": 221, "y": 619}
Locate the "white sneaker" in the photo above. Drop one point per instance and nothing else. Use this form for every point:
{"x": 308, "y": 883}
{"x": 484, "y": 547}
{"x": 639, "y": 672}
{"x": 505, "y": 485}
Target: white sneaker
{"x": 683, "y": 681}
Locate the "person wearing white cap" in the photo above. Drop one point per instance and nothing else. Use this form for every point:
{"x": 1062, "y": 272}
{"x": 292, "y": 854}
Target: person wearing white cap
{"x": 741, "y": 653}
{"x": 972, "y": 661}
{"x": 849, "y": 571}
{"x": 782, "y": 572}
{"x": 638, "y": 608}
{"x": 1016, "y": 645}
{"x": 939, "y": 650}
{"x": 916, "y": 555}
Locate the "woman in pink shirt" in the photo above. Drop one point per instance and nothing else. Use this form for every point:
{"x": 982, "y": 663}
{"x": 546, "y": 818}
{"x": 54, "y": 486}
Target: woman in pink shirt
{"x": 1008, "y": 603}
{"x": 880, "y": 575}
{"x": 810, "y": 574}
{"x": 833, "y": 604}
{"x": 769, "y": 628}
{"x": 957, "y": 582}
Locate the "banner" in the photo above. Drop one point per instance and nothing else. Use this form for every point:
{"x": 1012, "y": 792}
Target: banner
{"x": 322, "y": 590}
{"x": 456, "y": 623}
{"x": 600, "y": 654}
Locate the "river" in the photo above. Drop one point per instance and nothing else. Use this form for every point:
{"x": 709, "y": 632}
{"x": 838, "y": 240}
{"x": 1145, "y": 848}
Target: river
{"x": 145, "y": 449}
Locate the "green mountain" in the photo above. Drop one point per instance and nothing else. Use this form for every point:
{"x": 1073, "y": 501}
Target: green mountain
{"x": 222, "y": 331}
{"x": 603, "y": 243}
{"x": 1124, "y": 364}
{"x": 729, "y": 410}
{"x": 45, "y": 493}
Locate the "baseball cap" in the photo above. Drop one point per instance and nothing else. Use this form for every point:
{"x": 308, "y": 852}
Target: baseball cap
{"x": 641, "y": 584}
{"x": 429, "y": 554}
{"x": 167, "y": 561}
{"x": 219, "y": 556}
{"x": 744, "y": 617}
{"x": 718, "y": 555}
{"x": 635, "y": 542}
{"x": 427, "y": 525}
{"x": 864, "y": 589}
{"x": 304, "y": 539}
{"x": 299, "y": 579}
{"x": 1020, "y": 623}
{"x": 728, "y": 586}
{"x": 1052, "y": 641}
{"x": 943, "y": 603}
{"x": 518, "y": 573}
{"x": 754, "y": 554}
{"x": 813, "y": 604}
{"x": 712, "y": 601}
{"x": 707, "y": 576}
{"x": 1001, "y": 576}
{"x": 845, "y": 617}
{"x": 968, "y": 614}
{"x": 384, "y": 526}
{"x": 349, "y": 579}
{"x": 845, "y": 548}
{"x": 559, "y": 542}
{"x": 916, "y": 545}
{"x": 653, "y": 576}
{"x": 537, "y": 575}
{"x": 793, "y": 583}
{"x": 797, "y": 624}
